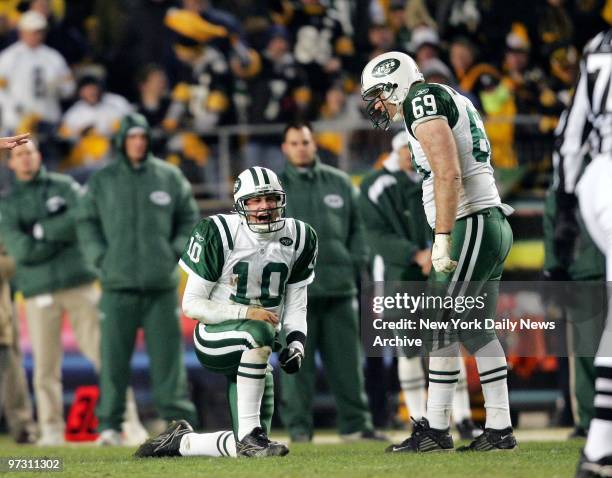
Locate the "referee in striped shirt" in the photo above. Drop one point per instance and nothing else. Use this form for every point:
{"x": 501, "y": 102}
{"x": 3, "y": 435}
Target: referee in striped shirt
{"x": 586, "y": 129}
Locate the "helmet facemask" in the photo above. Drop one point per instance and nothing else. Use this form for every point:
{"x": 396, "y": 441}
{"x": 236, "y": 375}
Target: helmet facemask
{"x": 263, "y": 221}
{"x": 386, "y": 80}
{"x": 376, "y": 109}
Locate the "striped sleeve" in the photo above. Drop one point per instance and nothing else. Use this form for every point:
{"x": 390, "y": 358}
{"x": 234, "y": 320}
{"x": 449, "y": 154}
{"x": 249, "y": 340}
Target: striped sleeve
{"x": 582, "y": 129}
{"x": 306, "y": 247}
{"x": 204, "y": 252}
{"x": 573, "y": 130}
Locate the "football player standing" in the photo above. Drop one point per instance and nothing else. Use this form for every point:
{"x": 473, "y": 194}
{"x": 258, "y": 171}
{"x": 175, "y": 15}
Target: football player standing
{"x": 472, "y": 236}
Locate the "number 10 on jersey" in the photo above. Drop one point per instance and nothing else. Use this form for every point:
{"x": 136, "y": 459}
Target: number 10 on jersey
{"x": 267, "y": 297}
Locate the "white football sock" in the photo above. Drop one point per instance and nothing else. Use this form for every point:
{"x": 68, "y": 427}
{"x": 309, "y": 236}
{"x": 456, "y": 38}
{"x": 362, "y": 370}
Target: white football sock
{"x": 412, "y": 381}
{"x": 208, "y": 444}
{"x": 251, "y": 382}
{"x": 493, "y": 372}
{"x": 599, "y": 441}
{"x": 461, "y": 400}
{"x": 443, "y": 376}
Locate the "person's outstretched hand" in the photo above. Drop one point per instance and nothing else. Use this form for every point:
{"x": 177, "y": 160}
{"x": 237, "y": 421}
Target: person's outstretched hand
{"x": 11, "y": 141}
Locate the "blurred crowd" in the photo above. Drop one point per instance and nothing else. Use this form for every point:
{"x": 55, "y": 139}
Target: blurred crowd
{"x": 71, "y": 69}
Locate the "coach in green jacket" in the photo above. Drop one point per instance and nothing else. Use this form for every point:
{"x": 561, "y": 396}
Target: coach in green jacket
{"x": 37, "y": 227}
{"x": 586, "y": 316}
{"x": 325, "y": 198}
{"x": 133, "y": 223}
{"x": 400, "y": 246}
{"x": 396, "y": 227}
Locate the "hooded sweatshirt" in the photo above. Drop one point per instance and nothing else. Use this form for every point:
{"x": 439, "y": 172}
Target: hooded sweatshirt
{"x": 134, "y": 221}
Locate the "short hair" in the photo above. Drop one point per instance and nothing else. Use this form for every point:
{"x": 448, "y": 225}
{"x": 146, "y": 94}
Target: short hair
{"x": 296, "y": 125}
{"x": 469, "y": 44}
{"x": 31, "y": 139}
{"x": 145, "y": 72}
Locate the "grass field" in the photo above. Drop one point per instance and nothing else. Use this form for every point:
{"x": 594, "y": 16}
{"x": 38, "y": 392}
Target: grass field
{"x": 532, "y": 459}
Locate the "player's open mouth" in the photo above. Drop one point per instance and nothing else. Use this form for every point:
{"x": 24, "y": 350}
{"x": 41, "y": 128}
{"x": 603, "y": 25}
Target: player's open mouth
{"x": 263, "y": 217}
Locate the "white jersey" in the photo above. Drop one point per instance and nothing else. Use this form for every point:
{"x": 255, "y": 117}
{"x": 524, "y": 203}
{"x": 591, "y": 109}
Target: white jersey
{"x": 33, "y": 80}
{"x": 427, "y": 101}
{"x": 248, "y": 268}
{"x": 104, "y": 116}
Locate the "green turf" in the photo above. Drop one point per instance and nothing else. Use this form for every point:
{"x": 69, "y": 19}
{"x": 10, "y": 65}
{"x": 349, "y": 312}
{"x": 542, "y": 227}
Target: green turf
{"x": 534, "y": 459}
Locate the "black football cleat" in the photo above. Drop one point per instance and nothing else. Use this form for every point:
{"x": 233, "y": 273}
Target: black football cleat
{"x": 424, "y": 439}
{"x": 578, "y": 433}
{"x": 166, "y": 443}
{"x": 257, "y": 444}
{"x": 492, "y": 440}
{"x": 467, "y": 429}
{"x": 594, "y": 469}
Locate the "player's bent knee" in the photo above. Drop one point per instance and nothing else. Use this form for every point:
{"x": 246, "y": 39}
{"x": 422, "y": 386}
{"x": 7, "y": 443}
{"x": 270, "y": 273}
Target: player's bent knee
{"x": 262, "y": 332}
{"x": 261, "y": 354}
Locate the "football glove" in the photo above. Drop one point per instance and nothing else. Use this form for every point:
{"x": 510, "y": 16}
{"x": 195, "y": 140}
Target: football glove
{"x": 290, "y": 358}
{"x": 440, "y": 254}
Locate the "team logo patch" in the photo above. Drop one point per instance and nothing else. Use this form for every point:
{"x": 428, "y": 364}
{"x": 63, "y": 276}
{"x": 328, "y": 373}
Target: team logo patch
{"x": 161, "y": 198}
{"x": 334, "y": 201}
{"x": 237, "y": 185}
{"x": 385, "y": 67}
{"x": 198, "y": 237}
{"x": 286, "y": 241}
{"x": 55, "y": 203}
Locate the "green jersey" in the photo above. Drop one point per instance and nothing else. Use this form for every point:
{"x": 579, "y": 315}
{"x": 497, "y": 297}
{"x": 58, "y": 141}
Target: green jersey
{"x": 428, "y": 101}
{"x": 248, "y": 268}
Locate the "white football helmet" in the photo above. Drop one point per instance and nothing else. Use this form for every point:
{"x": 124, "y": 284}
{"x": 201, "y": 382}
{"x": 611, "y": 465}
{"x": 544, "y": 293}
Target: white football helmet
{"x": 388, "y": 77}
{"x": 254, "y": 182}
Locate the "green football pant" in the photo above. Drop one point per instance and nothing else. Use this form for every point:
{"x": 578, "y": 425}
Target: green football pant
{"x": 219, "y": 348}
{"x": 333, "y": 330}
{"x": 480, "y": 244}
{"x": 584, "y": 389}
{"x": 122, "y": 314}
{"x": 586, "y": 322}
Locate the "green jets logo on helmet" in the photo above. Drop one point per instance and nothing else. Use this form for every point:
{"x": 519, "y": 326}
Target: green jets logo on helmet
{"x": 385, "y": 67}
{"x": 237, "y": 185}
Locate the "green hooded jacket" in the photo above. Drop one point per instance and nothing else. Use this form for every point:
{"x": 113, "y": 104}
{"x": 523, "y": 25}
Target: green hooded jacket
{"x": 133, "y": 222}
{"x": 588, "y": 262}
{"x": 396, "y": 226}
{"x": 55, "y": 261}
{"x": 325, "y": 198}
